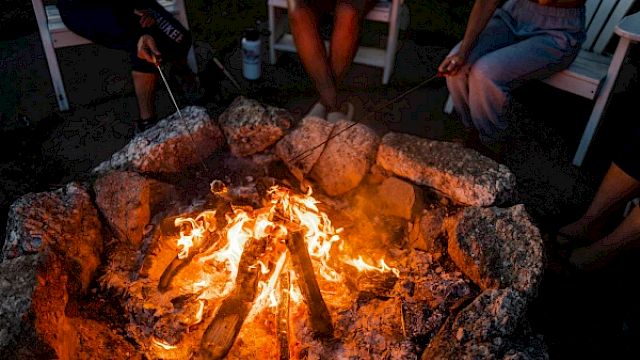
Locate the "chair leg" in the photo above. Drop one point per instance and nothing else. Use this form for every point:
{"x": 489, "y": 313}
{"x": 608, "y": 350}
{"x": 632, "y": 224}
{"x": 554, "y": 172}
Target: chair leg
{"x": 272, "y": 35}
{"x": 602, "y": 101}
{"x": 392, "y": 42}
{"x": 50, "y": 53}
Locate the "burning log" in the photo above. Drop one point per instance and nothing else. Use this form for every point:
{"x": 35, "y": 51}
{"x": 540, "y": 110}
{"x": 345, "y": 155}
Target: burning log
{"x": 318, "y": 312}
{"x": 282, "y": 313}
{"x": 219, "y": 190}
{"x": 221, "y": 333}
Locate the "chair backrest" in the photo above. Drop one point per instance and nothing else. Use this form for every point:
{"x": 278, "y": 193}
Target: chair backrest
{"x": 602, "y": 18}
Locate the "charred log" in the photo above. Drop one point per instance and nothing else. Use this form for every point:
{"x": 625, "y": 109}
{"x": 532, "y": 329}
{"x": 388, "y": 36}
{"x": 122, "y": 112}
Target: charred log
{"x": 282, "y": 313}
{"x": 318, "y": 312}
{"x": 223, "y": 330}
{"x": 376, "y": 283}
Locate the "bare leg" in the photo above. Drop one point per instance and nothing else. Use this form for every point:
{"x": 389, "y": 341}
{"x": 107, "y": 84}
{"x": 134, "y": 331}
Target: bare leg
{"x": 616, "y": 188}
{"x": 347, "y": 22}
{"x": 599, "y": 254}
{"x": 145, "y": 85}
{"x": 306, "y": 35}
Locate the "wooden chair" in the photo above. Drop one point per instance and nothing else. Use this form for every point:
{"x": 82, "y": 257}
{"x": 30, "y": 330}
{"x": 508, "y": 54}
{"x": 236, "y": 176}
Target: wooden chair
{"x": 54, "y": 34}
{"x": 594, "y": 72}
{"x": 395, "y": 13}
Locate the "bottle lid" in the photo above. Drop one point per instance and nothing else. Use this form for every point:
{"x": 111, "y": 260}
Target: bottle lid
{"x": 251, "y": 34}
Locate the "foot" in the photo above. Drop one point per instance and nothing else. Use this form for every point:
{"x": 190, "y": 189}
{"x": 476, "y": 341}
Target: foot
{"x": 345, "y": 113}
{"x": 592, "y": 258}
{"x": 143, "y": 124}
{"x": 575, "y": 234}
{"x": 318, "y": 110}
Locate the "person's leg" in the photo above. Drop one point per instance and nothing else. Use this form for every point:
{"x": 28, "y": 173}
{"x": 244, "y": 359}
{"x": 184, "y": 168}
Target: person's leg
{"x": 497, "y": 34}
{"x": 600, "y": 254}
{"x": 145, "y": 85}
{"x": 347, "y": 23}
{"x": 304, "y": 19}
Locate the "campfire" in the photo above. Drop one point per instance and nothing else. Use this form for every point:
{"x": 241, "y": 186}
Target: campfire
{"x": 203, "y": 239}
{"x": 237, "y": 266}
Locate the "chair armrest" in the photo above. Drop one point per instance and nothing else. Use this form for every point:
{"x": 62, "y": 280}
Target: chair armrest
{"x": 629, "y": 27}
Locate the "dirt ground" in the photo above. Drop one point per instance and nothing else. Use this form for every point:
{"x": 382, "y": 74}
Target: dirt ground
{"x": 44, "y": 148}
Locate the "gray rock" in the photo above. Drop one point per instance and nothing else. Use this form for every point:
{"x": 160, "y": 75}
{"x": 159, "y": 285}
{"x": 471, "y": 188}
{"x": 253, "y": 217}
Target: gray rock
{"x": 170, "y": 146}
{"x": 128, "y": 212}
{"x": 346, "y": 159}
{"x": 497, "y": 247}
{"x": 251, "y": 127}
{"x": 461, "y": 174}
{"x": 64, "y": 219}
{"x": 298, "y": 148}
{"x": 33, "y": 297}
{"x": 482, "y": 329}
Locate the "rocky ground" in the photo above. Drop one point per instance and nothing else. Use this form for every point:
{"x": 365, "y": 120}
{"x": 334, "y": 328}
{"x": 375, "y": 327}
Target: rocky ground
{"x": 44, "y": 149}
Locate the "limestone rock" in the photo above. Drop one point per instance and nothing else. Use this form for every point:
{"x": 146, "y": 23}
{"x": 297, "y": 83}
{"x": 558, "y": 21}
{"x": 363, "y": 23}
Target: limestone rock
{"x": 461, "y": 174}
{"x": 298, "y": 148}
{"x": 171, "y": 146}
{"x": 399, "y": 198}
{"x": 128, "y": 212}
{"x": 33, "y": 297}
{"x": 251, "y": 127}
{"x": 346, "y": 159}
{"x": 497, "y": 247}
{"x": 482, "y": 329}
{"x": 65, "y": 219}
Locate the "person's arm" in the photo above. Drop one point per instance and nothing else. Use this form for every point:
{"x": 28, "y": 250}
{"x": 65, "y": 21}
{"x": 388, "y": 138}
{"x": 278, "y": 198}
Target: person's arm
{"x": 481, "y": 13}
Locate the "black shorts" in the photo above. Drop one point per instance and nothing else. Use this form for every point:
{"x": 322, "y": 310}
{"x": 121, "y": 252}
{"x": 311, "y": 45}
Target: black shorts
{"x": 114, "y": 25}
{"x": 628, "y": 157}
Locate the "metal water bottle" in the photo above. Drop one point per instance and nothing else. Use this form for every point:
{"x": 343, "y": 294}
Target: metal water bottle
{"x": 251, "y": 59}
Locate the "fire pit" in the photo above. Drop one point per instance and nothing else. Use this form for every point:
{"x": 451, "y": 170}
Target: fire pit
{"x": 210, "y": 239}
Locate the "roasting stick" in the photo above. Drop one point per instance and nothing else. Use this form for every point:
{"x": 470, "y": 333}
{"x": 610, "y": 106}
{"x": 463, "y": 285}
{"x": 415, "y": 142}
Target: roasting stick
{"x": 184, "y": 122}
{"x": 306, "y": 153}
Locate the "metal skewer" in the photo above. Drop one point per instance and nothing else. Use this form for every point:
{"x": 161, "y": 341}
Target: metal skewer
{"x": 226, "y": 73}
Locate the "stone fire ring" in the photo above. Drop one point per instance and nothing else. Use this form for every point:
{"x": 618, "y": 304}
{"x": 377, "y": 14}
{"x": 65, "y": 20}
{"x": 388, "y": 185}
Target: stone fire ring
{"x": 59, "y": 242}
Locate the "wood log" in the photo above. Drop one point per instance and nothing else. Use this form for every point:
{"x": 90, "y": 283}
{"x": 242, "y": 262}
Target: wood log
{"x": 376, "y": 283}
{"x": 318, "y": 312}
{"x": 223, "y": 330}
{"x": 282, "y": 315}
{"x": 168, "y": 227}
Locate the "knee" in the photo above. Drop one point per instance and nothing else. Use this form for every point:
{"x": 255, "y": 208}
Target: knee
{"x": 482, "y": 74}
{"x": 300, "y": 14}
{"x": 348, "y": 12}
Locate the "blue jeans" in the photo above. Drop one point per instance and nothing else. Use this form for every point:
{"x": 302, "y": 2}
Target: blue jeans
{"x": 522, "y": 41}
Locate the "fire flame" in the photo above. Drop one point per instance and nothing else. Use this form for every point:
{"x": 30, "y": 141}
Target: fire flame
{"x": 286, "y": 210}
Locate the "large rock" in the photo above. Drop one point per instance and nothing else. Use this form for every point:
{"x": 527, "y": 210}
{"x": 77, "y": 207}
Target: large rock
{"x": 128, "y": 212}
{"x": 299, "y": 149}
{"x": 497, "y": 247}
{"x": 482, "y": 329}
{"x": 170, "y": 146}
{"x": 346, "y": 158}
{"x": 33, "y": 297}
{"x": 66, "y": 220}
{"x": 461, "y": 174}
{"x": 33, "y": 321}
{"x": 399, "y": 198}
{"x": 251, "y": 127}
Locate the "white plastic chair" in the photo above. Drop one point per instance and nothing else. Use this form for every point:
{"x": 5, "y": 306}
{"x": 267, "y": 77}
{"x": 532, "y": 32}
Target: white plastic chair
{"x": 394, "y": 13}
{"x": 54, "y": 34}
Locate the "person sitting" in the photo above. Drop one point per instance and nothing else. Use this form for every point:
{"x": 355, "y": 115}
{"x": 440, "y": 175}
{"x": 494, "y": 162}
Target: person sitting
{"x": 328, "y": 69}
{"x": 592, "y": 246}
{"x": 144, "y": 29}
{"x": 503, "y": 48}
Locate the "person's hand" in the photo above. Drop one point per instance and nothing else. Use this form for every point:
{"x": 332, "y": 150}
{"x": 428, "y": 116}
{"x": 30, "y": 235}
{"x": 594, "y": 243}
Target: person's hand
{"x": 451, "y": 64}
{"x": 146, "y": 19}
{"x": 147, "y": 50}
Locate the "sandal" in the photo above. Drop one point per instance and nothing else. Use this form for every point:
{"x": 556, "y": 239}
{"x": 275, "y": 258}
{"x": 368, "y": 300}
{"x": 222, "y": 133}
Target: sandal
{"x": 564, "y": 240}
{"x": 143, "y": 124}
{"x": 335, "y": 116}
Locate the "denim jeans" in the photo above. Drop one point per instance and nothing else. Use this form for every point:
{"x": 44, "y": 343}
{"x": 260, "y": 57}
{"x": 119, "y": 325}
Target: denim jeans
{"x": 522, "y": 41}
